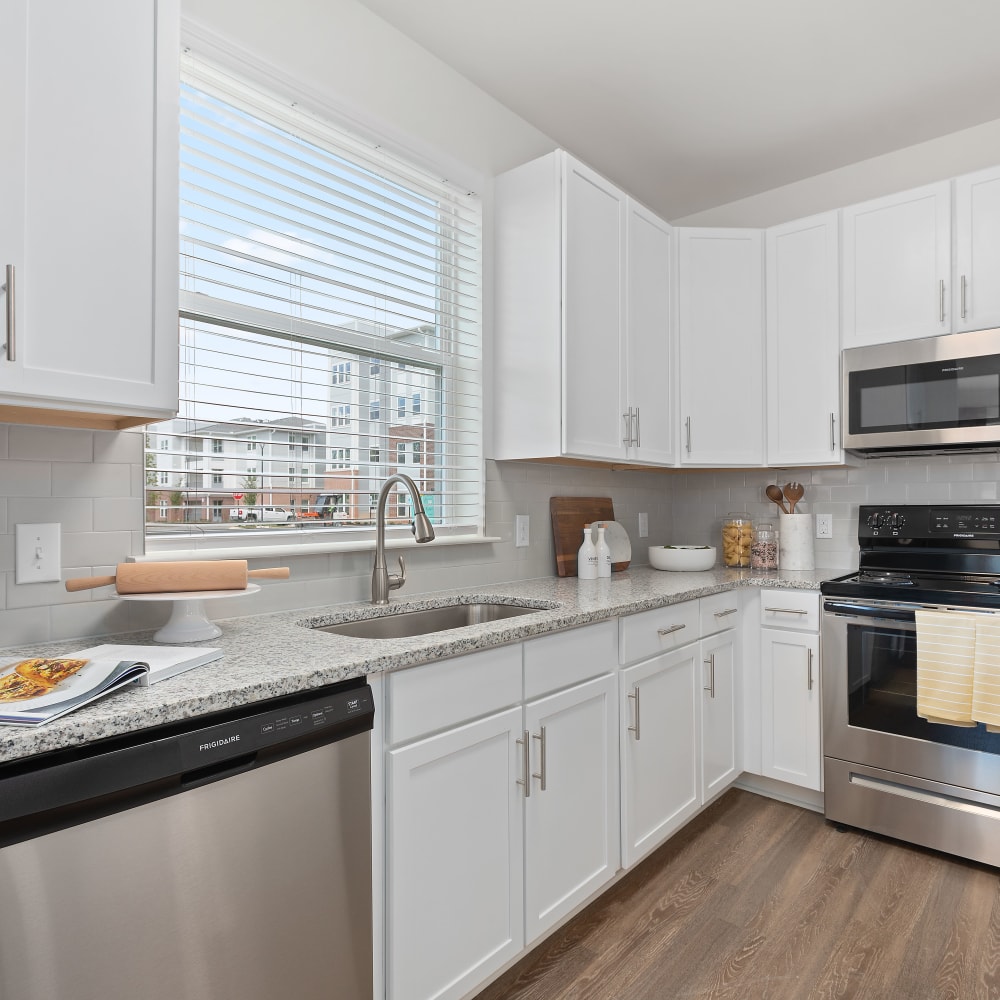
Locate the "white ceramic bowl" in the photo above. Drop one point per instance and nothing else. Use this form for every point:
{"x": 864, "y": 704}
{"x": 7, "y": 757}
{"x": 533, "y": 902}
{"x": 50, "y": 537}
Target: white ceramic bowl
{"x": 682, "y": 558}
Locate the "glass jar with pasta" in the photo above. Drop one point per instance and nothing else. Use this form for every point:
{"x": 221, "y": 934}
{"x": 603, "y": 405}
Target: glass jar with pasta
{"x": 737, "y": 539}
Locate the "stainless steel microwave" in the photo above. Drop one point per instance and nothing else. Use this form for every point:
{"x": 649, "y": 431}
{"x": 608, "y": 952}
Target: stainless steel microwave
{"x": 938, "y": 392}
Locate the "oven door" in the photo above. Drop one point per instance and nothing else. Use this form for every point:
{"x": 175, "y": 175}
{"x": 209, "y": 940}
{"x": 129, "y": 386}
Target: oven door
{"x": 869, "y": 656}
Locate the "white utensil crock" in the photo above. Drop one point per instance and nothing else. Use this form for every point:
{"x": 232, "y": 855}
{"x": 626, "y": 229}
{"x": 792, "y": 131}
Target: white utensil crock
{"x": 795, "y": 541}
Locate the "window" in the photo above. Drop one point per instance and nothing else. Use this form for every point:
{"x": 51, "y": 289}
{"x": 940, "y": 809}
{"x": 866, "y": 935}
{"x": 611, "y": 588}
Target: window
{"x": 164, "y": 479}
{"x": 417, "y": 452}
{"x": 217, "y": 478}
{"x": 401, "y": 454}
{"x": 319, "y": 274}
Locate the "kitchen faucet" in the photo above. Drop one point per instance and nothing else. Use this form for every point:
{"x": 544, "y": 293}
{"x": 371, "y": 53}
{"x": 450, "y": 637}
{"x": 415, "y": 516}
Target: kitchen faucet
{"x": 382, "y": 580}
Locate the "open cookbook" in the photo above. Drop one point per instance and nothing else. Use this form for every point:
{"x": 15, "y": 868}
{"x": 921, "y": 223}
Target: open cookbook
{"x": 37, "y": 690}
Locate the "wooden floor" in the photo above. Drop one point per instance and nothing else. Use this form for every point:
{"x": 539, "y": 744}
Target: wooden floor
{"x": 757, "y": 899}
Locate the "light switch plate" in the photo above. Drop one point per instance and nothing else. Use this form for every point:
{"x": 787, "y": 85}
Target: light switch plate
{"x": 37, "y": 556}
{"x": 521, "y": 531}
{"x": 643, "y": 525}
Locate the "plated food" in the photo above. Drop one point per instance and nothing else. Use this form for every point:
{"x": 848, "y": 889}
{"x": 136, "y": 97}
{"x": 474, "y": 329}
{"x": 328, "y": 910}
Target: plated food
{"x": 37, "y": 676}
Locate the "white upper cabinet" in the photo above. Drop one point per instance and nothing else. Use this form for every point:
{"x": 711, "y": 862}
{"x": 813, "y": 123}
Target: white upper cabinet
{"x": 897, "y": 267}
{"x": 88, "y": 211}
{"x": 721, "y": 337}
{"x": 803, "y": 342}
{"x": 976, "y": 298}
{"x": 582, "y": 314}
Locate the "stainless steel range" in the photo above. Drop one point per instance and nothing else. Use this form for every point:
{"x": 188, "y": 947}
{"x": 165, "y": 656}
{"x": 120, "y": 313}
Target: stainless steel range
{"x": 885, "y": 768}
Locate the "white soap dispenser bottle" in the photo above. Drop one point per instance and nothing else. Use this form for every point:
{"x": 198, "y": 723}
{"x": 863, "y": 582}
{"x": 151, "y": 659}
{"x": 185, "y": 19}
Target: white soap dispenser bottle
{"x": 586, "y": 558}
{"x": 603, "y": 554}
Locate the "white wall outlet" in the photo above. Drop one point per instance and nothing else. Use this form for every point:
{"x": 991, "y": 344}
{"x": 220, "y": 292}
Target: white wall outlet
{"x": 824, "y": 525}
{"x": 521, "y": 531}
{"x": 37, "y": 553}
{"x": 643, "y": 525}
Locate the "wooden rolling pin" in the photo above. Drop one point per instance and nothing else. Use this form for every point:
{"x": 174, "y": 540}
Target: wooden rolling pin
{"x": 179, "y": 577}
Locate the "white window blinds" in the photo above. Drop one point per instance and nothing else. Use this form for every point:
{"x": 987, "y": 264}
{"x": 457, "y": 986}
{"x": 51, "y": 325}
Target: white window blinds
{"x": 323, "y": 282}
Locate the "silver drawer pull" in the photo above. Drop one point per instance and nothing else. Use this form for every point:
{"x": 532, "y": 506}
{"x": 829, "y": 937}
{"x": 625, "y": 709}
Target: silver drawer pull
{"x": 525, "y": 745}
{"x": 540, "y": 774}
{"x": 786, "y": 611}
{"x": 8, "y": 287}
{"x": 667, "y": 631}
{"x": 711, "y": 684}
{"x": 634, "y": 696}
{"x": 809, "y": 670}
{"x": 728, "y": 611}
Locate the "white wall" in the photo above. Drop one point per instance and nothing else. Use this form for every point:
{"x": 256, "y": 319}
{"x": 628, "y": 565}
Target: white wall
{"x": 935, "y": 160}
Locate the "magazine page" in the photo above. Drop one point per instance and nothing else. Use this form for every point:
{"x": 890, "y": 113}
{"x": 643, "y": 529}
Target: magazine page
{"x": 37, "y": 690}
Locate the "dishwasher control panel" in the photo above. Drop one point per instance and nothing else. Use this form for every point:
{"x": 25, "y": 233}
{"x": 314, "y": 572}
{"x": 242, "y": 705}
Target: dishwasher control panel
{"x": 245, "y": 736}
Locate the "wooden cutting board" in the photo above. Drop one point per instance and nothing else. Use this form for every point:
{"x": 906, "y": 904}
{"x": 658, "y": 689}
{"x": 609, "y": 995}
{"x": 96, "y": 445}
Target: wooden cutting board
{"x": 569, "y": 515}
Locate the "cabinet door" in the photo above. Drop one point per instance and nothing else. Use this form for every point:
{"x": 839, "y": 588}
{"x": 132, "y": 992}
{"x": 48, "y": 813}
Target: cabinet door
{"x": 454, "y": 857}
{"x": 571, "y": 816}
{"x": 650, "y": 365}
{"x": 593, "y": 314}
{"x": 96, "y": 138}
{"x": 897, "y": 267}
{"x": 660, "y": 735}
{"x": 719, "y": 767}
{"x": 791, "y": 748}
{"x": 803, "y": 342}
{"x": 976, "y": 298}
{"x": 720, "y": 303}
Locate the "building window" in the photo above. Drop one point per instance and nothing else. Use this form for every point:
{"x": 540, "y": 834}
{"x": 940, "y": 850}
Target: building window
{"x": 417, "y": 452}
{"x": 319, "y": 272}
{"x": 164, "y": 479}
{"x": 401, "y": 454}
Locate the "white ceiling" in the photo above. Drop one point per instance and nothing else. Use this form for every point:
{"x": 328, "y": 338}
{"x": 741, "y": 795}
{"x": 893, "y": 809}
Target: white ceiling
{"x": 693, "y": 104}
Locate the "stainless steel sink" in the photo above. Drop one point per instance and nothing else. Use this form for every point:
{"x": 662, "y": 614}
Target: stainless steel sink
{"x": 423, "y": 621}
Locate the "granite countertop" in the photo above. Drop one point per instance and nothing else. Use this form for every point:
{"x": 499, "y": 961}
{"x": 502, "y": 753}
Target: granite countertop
{"x": 266, "y": 656}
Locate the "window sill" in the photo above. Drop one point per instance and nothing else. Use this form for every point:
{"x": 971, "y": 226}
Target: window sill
{"x": 247, "y": 550}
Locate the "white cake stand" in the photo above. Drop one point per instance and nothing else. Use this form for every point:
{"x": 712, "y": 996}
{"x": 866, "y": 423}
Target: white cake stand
{"x": 189, "y": 621}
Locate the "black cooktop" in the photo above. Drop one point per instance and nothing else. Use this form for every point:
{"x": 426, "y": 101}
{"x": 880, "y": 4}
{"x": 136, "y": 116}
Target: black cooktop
{"x": 932, "y": 554}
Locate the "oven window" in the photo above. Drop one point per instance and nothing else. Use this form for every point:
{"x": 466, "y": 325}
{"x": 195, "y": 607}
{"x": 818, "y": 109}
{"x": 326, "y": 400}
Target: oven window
{"x": 882, "y": 690}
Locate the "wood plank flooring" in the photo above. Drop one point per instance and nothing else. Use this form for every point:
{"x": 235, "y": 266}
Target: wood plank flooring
{"x": 757, "y": 899}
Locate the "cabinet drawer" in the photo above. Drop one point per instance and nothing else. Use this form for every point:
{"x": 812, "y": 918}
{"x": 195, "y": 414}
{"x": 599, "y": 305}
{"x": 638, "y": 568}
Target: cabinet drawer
{"x": 797, "y": 609}
{"x": 718, "y": 612}
{"x": 557, "y": 661}
{"x": 424, "y": 699}
{"x": 651, "y": 632}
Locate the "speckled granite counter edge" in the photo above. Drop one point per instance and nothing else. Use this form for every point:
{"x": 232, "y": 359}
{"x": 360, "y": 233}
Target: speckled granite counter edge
{"x": 267, "y": 656}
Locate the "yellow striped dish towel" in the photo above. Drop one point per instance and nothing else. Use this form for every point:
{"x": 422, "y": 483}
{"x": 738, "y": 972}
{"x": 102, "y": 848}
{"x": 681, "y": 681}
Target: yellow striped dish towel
{"x": 986, "y": 682}
{"x": 946, "y": 650}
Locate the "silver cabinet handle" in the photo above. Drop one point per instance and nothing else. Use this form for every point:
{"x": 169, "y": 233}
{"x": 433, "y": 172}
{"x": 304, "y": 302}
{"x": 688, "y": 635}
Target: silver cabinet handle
{"x": 9, "y": 289}
{"x": 809, "y": 670}
{"x": 786, "y": 611}
{"x": 627, "y": 417}
{"x": 525, "y": 782}
{"x": 964, "y": 287}
{"x": 833, "y": 433}
{"x": 941, "y": 299}
{"x": 634, "y": 696}
{"x": 638, "y": 430}
{"x": 687, "y": 426}
{"x": 540, "y": 774}
{"x": 672, "y": 628}
{"x": 711, "y": 673}
{"x": 728, "y": 611}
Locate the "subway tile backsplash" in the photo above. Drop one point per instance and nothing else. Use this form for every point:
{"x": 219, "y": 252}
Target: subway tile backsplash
{"x": 91, "y": 482}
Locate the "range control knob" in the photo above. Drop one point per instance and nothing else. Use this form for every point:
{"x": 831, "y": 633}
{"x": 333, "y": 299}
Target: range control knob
{"x": 876, "y": 520}
{"x": 896, "y": 521}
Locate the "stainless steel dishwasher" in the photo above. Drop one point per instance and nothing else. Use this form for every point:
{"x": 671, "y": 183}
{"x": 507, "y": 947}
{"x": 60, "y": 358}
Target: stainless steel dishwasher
{"x": 226, "y": 857}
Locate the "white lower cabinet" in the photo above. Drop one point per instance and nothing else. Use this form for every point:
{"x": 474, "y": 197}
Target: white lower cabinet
{"x": 790, "y": 709}
{"x": 499, "y": 826}
{"x": 660, "y": 737}
{"x": 678, "y": 718}
{"x": 455, "y": 858}
{"x": 571, "y": 815}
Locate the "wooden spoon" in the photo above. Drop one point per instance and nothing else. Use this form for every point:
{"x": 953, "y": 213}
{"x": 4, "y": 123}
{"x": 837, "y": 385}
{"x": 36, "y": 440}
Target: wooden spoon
{"x": 774, "y": 493}
{"x": 793, "y": 493}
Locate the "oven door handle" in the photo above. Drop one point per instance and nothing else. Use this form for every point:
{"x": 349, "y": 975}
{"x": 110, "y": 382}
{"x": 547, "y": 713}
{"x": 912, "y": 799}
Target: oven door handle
{"x": 857, "y": 609}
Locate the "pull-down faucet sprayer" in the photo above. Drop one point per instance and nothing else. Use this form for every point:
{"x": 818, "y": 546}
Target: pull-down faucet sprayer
{"x": 382, "y": 580}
